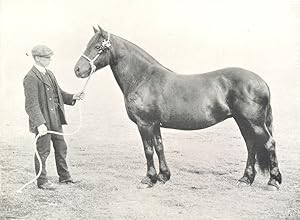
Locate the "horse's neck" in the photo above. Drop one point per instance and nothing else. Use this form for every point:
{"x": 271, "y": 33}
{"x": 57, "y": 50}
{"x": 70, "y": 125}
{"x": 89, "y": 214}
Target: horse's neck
{"x": 129, "y": 64}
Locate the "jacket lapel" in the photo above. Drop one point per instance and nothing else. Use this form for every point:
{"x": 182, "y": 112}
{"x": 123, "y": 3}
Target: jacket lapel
{"x": 39, "y": 75}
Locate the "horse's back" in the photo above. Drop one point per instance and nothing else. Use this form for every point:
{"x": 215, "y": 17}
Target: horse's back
{"x": 228, "y": 81}
{"x": 236, "y": 82}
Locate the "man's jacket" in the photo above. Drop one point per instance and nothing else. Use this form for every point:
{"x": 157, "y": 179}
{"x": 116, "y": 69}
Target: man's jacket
{"x": 39, "y": 100}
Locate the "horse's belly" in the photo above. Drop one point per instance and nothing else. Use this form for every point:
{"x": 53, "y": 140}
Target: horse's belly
{"x": 193, "y": 117}
{"x": 185, "y": 125}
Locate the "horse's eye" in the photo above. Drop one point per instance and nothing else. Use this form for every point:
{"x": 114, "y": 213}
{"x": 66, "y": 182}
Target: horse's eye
{"x": 97, "y": 47}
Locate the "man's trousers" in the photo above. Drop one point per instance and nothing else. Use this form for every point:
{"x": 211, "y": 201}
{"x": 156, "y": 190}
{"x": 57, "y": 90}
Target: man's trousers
{"x": 60, "y": 152}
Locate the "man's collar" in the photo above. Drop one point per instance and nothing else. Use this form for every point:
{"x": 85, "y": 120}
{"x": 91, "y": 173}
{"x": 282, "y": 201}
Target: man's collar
{"x": 40, "y": 68}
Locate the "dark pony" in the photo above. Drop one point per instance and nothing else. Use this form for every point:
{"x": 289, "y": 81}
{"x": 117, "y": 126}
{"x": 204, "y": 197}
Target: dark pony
{"x": 157, "y": 97}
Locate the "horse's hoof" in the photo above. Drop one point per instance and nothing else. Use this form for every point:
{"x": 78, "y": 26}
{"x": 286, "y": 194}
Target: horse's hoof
{"x": 242, "y": 184}
{"x": 278, "y": 178}
{"x": 160, "y": 183}
{"x": 145, "y": 183}
{"x": 144, "y": 186}
{"x": 162, "y": 178}
{"x": 272, "y": 187}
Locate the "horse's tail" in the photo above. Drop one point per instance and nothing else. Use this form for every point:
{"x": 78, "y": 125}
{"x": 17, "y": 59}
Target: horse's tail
{"x": 269, "y": 119}
{"x": 262, "y": 155}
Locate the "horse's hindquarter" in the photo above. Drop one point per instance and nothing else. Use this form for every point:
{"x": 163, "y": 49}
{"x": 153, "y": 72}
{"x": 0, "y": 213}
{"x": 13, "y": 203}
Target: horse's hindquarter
{"x": 249, "y": 94}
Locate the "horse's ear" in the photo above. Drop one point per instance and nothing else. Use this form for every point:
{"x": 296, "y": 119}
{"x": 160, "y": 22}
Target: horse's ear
{"x": 95, "y": 29}
{"x": 100, "y": 29}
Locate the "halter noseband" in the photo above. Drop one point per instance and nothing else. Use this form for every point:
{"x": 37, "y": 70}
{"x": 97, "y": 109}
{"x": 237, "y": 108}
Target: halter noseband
{"x": 103, "y": 48}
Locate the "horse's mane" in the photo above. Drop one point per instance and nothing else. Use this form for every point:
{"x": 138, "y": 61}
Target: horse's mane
{"x": 142, "y": 52}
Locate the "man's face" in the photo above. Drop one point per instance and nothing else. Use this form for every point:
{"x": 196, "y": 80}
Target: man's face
{"x": 43, "y": 61}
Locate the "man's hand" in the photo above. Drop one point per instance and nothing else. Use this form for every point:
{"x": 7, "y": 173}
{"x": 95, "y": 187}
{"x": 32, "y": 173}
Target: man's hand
{"x": 42, "y": 129}
{"x": 79, "y": 96}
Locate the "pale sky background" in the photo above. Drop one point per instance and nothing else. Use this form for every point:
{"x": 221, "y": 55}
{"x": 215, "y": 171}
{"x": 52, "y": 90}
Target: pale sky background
{"x": 186, "y": 36}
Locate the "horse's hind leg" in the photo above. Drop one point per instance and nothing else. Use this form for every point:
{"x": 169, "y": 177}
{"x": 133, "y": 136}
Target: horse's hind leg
{"x": 263, "y": 145}
{"x": 249, "y": 173}
{"x": 266, "y": 155}
{"x": 275, "y": 175}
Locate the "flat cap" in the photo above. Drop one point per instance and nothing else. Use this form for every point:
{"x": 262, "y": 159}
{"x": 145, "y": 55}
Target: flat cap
{"x": 41, "y": 51}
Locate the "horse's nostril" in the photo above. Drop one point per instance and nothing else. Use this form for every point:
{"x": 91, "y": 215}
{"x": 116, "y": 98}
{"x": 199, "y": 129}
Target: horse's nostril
{"x": 76, "y": 69}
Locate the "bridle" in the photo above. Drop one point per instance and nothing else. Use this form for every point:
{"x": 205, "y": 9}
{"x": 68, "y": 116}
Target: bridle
{"x": 103, "y": 48}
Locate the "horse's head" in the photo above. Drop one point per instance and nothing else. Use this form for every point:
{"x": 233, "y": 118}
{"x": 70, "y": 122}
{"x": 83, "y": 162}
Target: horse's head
{"x": 96, "y": 55}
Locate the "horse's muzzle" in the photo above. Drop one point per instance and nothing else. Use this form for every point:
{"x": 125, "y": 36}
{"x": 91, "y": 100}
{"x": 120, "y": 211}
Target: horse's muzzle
{"x": 79, "y": 73}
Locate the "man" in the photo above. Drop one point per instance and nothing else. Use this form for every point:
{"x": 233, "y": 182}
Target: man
{"x": 44, "y": 104}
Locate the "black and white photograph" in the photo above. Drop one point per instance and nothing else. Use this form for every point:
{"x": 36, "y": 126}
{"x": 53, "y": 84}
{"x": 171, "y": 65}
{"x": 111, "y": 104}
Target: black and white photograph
{"x": 150, "y": 109}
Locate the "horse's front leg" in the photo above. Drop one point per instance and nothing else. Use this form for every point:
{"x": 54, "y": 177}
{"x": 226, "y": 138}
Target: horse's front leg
{"x": 164, "y": 172}
{"x": 147, "y": 134}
